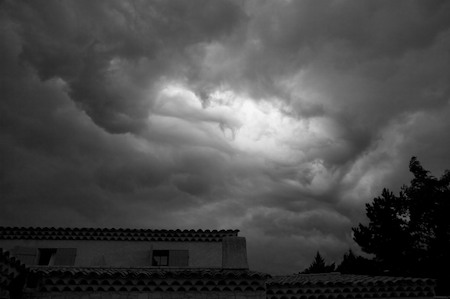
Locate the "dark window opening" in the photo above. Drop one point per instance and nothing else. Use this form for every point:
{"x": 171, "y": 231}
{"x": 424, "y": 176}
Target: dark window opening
{"x": 46, "y": 256}
{"x": 160, "y": 258}
{"x": 171, "y": 258}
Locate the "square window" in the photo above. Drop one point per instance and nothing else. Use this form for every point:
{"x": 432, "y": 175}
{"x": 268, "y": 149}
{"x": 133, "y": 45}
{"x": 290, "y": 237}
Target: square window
{"x": 160, "y": 258}
{"x": 46, "y": 256}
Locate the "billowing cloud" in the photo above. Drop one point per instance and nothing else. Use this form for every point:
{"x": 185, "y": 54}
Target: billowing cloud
{"x": 281, "y": 119}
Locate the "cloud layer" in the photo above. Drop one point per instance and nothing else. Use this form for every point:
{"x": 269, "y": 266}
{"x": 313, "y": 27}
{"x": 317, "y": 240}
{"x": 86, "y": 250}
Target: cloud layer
{"x": 281, "y": 119}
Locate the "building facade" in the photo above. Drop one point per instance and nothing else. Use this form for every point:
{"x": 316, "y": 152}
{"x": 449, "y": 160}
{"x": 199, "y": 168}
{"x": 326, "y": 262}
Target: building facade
{"x": 90, "y": 247}
{"x": 132, "y": 263}
{"x": 88, "y": 263}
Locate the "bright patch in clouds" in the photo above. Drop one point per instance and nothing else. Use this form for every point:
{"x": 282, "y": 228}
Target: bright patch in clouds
{"x": 258, "y": 128}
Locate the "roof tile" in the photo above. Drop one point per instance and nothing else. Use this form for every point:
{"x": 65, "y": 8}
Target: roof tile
{"x": 146, "y": 279}
{"x": 106, "y": 273}
{"x": 114, "y": 234}
{"x": 348, "y": 286}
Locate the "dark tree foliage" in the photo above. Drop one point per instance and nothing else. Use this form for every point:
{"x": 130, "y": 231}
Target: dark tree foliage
{"x": 352, "y": 264}
{"x": 409, "y": 233}
{"x": 319, "y": 266}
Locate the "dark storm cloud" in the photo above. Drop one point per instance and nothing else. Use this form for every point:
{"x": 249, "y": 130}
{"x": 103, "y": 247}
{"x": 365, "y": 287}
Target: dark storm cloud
{"x": 278, "y": 118}
{"x": 49, "y": 139}
{"x": 84, "y": 43}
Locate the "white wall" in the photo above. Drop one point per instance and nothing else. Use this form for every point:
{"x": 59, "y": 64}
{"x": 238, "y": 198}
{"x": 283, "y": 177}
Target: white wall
{"x": 126, "y": 253}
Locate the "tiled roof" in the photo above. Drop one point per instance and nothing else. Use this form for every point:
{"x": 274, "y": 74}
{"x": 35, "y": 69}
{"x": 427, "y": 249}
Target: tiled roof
{"x": 337, "y": 286}
{"x": 336, "y": 278}
{"x": 61, "y": 279}
{"x": 114, "y": 234}
{"x": 10, "y": 268}
{"x": 118, "y": 272}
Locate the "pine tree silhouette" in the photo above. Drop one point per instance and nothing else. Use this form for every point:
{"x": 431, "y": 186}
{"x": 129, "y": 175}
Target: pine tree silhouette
{"x": 319, "y": 266}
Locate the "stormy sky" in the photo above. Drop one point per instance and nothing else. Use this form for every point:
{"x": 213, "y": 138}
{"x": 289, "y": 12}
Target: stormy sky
{"x": 278, "y": 118}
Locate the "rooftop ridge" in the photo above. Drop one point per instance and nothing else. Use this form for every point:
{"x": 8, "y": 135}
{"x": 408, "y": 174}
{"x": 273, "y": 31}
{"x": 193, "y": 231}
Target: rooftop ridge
{"x": 115, "y": 234}
{"x": 112, "y": 229}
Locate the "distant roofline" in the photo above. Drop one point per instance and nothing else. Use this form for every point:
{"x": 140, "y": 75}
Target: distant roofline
{"x": 114, "y": 234}
{"x": 347, "y": 286}
{"x": 332, "y": 278}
